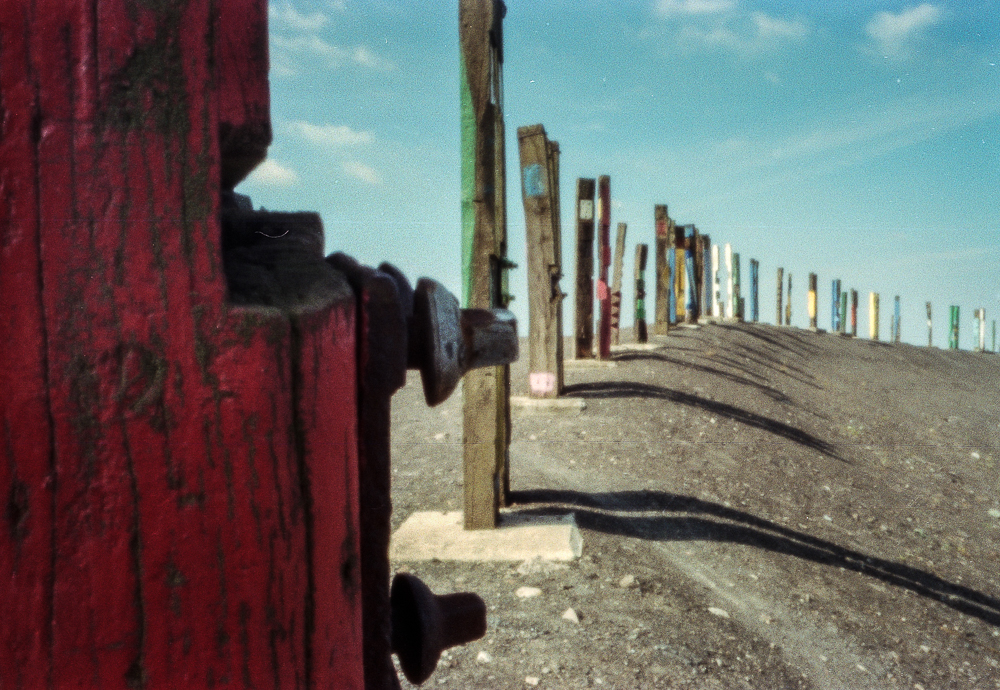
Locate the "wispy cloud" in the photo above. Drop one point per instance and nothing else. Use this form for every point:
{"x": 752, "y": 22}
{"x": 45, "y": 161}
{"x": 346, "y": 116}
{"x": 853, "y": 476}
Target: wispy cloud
{"x": 722, "y": 25}
{"x": 362, "y": 172}
{"x": 271, "y": 173}
{"x": 673, "y": 8}
{"x": 896, "y": 35}
{"x": 285, "y": 16}
{"x": 296, "y": 42}
{"x": 336, "y": 136}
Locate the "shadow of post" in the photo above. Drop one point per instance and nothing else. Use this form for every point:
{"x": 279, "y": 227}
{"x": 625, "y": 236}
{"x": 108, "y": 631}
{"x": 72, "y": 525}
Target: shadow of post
{"x": 609, "y": 513}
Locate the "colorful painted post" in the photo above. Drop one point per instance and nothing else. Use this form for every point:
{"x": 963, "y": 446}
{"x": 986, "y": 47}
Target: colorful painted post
{"x": 716, "y": 284}
{"x": 895, "y": 321}
{"x": 584, "y": 268}
{"x": 616, "y": 283}
{"x": 930, "y": 335}
{"x": 604, "y": 244}
{"x": 873, "y": 316}
{"x": 691, "y": 282}
{"x": 811, "y": 301}
{"x": 706, "y": 290}
{"x": 835, "y": 319}
{"x": 754, "y": 305}
{"x": 843, "y": 313}
{"x": 854, "y": 313}
{"x": 486, "y": 406}
{"x": 779, "y": 317}
{"x": 641, "y": 335}
{"x": 539, "y": 187}
{"x": 953, "y": 330}
{"x": 664, "y": 284}
{"x": 788, "y": 301}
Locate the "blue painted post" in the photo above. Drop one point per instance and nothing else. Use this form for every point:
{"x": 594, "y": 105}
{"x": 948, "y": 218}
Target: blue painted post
{"x": 754, "y": 271}
{"x": 835, "y": 306}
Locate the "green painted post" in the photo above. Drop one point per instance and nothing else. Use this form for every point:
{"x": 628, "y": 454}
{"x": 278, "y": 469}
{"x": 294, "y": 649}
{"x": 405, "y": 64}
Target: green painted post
{"x": 953, "y": 330}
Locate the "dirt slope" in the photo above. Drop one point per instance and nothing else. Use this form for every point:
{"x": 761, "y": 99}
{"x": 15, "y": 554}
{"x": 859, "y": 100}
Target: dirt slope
{"x": 761, "y": 507}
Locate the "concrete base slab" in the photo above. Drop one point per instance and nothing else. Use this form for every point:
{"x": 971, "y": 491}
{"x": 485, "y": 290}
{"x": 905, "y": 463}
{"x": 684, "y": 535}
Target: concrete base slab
{"x": 569, "y": 404}
{"x": 636, "y": 347}
{"x": 435, "y": 535}
{"x": 589, "y": 364}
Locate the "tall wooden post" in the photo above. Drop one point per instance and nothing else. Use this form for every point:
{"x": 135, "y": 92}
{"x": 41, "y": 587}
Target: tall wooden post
{"x": 737, "y": 288}
{"x": 676, "y": 271}
{"x": 716, "y": 285}
{"x": 664, "y": 284}
{"x": 754, "y": 285}
{"x": 539, "y": 189}
{"x": 604, "y": 254}
{"x": 641, "y": 335}
{"x": 706, "y": 268}
{"x": 895, "y": 321}
{"x": 616, "y": 283}
{"x": 854, "y": 313}
{"x": 835, "y": 319}
{"x": 812, "y": 301}
{"x": 486, "y": 405}
{"x": 788, "y": 301}
{"x": 953, "y": 330}
{"x": 981, "y": 323}
{"x": 843, "y": 312}
{"x": 873, "y": 315}
{"x": 584, "y": 268}
{"x": 691, "y": 275}
{"x": 778, "y": 318}
{"x": 730, "y": 307}
{"x": 930, "y": 329}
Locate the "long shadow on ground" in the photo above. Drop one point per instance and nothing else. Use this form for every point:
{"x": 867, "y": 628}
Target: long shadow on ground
{"x": 608, "y": 513}
{"x": 632, "y": 389}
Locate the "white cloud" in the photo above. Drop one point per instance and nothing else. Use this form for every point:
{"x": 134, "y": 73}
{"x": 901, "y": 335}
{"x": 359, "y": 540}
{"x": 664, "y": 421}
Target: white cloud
{"x": 775, "y": 28}
{"x": 270, "y": 173}
{"x": 289, "y": 51}
{"x": 895, "y": 34}
{"x": 673, "y": 8}
{"x": 284, "y": 15}
{"x": 330, "y": 135}
{"x": 363, "y": 172}
{"x": 746, "y": 36}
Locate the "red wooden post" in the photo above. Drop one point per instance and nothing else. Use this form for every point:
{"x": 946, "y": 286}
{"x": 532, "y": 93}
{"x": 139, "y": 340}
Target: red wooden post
{"x": 584, "y": 324}
{"x": 604, "y": 242}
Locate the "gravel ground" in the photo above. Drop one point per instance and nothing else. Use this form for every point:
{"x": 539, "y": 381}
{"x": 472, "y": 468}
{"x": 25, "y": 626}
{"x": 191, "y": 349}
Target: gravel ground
{"x": 761, "y": 507}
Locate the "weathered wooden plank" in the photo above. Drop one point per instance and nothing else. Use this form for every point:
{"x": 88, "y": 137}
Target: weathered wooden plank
{"x": 604, "y": 254}
{"x": 543, "y": 261}
{"x": 584, "y": 323}
{"x": 616, "y": 282}
{"x": 778, "y": 318}
{"x": 485, "y": 408}
{"x": 641, "y": 252}
{"x": 664, "y": 285}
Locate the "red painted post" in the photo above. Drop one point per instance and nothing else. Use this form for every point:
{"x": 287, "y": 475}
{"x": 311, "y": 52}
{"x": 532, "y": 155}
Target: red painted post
{"x": 604, "y": 242}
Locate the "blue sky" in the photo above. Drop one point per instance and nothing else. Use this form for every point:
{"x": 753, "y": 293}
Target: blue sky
{"x": 856, "y": 140}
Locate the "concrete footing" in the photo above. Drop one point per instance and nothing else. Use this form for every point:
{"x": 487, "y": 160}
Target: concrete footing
{"x": 436, "y": 535}
{"x": 568, "y": 404}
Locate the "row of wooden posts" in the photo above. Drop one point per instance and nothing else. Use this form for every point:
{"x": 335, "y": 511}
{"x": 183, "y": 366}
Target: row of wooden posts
{"x": 687, "y": 276}
{"x": 687, "y": 266}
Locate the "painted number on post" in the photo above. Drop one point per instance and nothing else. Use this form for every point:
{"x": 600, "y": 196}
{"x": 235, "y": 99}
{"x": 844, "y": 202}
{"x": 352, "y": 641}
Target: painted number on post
{"x": 586, "y": 209}
{"x": 542, "y": 382}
